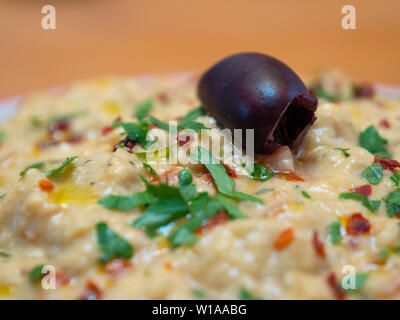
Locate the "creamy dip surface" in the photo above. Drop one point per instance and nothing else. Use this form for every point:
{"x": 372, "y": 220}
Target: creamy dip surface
{"x": 298, "y": 244}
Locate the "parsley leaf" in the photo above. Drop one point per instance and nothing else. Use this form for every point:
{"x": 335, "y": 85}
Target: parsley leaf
{"x": 4, "y": 254}
{"x": 383, "y": 254}
{"x": 57, "y": 171}
{"x": 373, "y": 142}
{"x": 373, "y": 174}
{"x": 334, "y": 231}
{"x": 2, "y": 135}
{"x": 230, "y": 207}
{"x": 202, "y": 209}
{"x": 361, "y": 278}
{"x": 225, "y": 184}
{"x": 196, "y": 126}
{"x": 193, "y": 115}
{"x": 134, "y": 132}
{"x": 344, "y": 151}
{"x": 351, "y": 196}
{"x": 111, "y": 244}
{"x": 261, "y": 173}
{"x": 245, "y": 294}
{"x": 396, "y": 179}
{"x": 67, "y": 116}
{"x": 128, "y": 202}
{"x": 38, "y": 165}
{"x": 371, "y": 205}
{"x": 143, "y": 108}
{"x": 262, "y": 191}
{"x": 186, "y": 188}
{"x": 163, "y": 125}
{"x": 305, "y": 194}
{"x": 393, "y": 203}
{"x": 161, "y": 213}
{"x": 2, "y": 196}
{"x": 36, "y": 272}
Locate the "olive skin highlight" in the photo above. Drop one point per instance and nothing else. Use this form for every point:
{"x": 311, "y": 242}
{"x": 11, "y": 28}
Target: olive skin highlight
{"x": 257, "y": 91}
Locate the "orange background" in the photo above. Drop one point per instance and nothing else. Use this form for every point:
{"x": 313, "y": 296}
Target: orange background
{"x": 97, "y": 37}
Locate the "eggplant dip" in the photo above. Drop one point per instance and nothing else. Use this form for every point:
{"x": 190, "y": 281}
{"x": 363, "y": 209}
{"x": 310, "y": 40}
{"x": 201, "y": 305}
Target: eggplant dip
{"x": 85, "y": 213}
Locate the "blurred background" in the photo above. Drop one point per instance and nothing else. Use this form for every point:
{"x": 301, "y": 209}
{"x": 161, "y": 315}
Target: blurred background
{"x": 129, "y": 37}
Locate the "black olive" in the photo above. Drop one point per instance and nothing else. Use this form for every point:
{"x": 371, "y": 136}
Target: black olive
{"x": 256, "y": 91}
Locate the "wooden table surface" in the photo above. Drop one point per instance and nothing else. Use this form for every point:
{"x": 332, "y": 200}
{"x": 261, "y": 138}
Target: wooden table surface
{"x": 97, "y": 37}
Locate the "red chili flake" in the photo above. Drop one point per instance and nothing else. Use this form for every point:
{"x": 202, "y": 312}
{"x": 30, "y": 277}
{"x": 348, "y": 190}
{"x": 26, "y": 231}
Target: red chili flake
{"x": 284, "y": 239}
{"x": 218, "y": 219}
{"x": 364, "y": 91}
{"x": 60, "y": 125}
{"x": 339, "y": 292}
{"x": 45, "y": 185}
{"x": 289, "y": 176}
{"x": 171, "y": 175}
{"x": 62, "y": 278}
{"x": 387, "y": 163}
{"x": 318, "y": 245}
{"x": 116, "y": 267}
{"x": 126, "y": 143}
{"x": 230, "y": 171}
{"x": 106, "y": 130}
{"x": 162, "y": 97}
{"x": 91, "y": 292}
{"x": 75, "y": 138}
{"x": 184, "y": 139}
{"x": 168, "y": 265}
{"x": 357, "y": 224}
{"x": 384, "y": 124}
{"x": 365, "y": 190}
{"x": 45, "y": 144}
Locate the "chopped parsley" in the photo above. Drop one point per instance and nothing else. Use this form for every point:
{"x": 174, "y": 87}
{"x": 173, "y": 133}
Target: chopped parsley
{"x": 186, "y": 122}
{"x": 360, "y": 280}
{"x": 371, "y": 205}
{"x": 383, "y": 254}
{"x": 54, "y": 173}
{"x": 225, "y": 184}
{"x": 374, "y": 143}
{"x": 199, "y": 294}
{"x": 344, "y": 151}
{"x": 334, "y": 231}
{"x": 396, "y": 179}
{"x": 67, "y": 116}
{"x": 143, "y": 108}
{"x": 201, "y": 209}
{"x": 4, "y": 254}
{"x": 230, "y": 206}
{"x": 261, "y": 173}
{"x": 305, "y": 195}
{"x": 124, "y": 203}
{"x": 351, "y": 196}
{"x": 373, "y": 174}
{"x": 38, "y": 165}
{"x": 2, "y": 135}
{"x": 111, "y": 244}
{"x": 135, "y": 132}
{"x": 36, "y": 272}
{"x": 2, "y": 196}
{"x": 262, "y": 191}
{"x": 393, "y": 203}
{"x": 245, "y": 294}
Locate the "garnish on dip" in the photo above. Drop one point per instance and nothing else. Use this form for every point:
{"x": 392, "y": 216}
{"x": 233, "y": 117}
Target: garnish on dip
{"x": 256, "y": 91}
